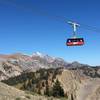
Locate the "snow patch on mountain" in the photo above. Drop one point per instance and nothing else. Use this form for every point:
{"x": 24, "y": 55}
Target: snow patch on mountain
{"x": 38, "y": 54}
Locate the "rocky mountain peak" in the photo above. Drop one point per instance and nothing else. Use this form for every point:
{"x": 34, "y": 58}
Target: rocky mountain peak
{"x": 37, "y": 54}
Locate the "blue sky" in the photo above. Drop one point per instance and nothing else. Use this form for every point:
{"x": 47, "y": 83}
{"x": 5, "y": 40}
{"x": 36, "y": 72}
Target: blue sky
{"x": 37, "y": 29}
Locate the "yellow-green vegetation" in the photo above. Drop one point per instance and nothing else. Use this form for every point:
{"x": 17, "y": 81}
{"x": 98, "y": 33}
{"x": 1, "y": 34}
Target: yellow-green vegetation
{"x": 18, "y": 98}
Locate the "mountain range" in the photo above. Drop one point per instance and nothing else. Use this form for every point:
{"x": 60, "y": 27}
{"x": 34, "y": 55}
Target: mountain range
{"x": 36, "y": 72}
{"x": 15, "y": 64}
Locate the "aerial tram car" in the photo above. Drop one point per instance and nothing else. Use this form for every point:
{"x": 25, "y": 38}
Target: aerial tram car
{"x": 74, "y": 41}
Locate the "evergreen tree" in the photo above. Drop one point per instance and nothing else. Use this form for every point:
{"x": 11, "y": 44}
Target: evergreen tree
{"x": 47, "y": 92}
{"x": 57, "y": 90}
{"x": 72, "y": 98}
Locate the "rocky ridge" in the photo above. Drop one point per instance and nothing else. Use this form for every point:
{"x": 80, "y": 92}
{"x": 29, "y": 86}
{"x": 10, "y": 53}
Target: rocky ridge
{"x": 14, "y": 64}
